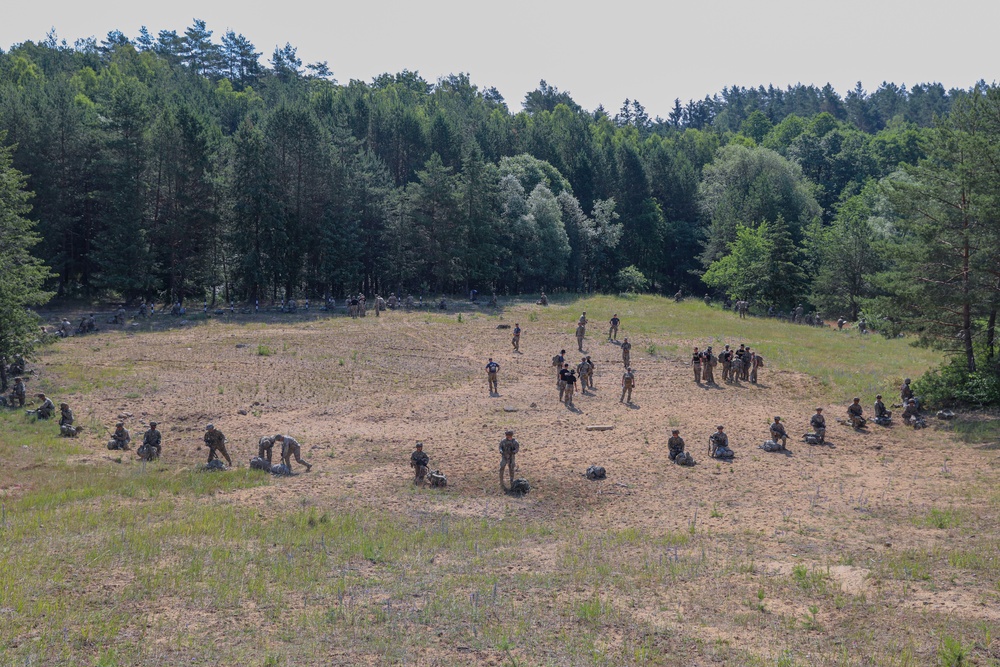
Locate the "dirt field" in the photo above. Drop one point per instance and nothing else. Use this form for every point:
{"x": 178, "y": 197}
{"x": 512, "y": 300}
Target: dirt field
{"x": 880, "y": 548}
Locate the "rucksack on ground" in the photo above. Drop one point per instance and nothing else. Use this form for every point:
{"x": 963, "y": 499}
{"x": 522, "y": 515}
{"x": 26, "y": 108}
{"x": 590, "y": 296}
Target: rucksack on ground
{"x": 596, "y": 472}
{"x": 520, "y": 487}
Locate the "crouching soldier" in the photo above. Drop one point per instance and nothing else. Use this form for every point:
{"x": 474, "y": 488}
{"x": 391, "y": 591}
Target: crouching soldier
{"x": 289, "y": 448}
{"x": 45, "y": 410}
{"x": 151, "y": 448}
{"x": 216, "y": 443}
{"x": 911, "y": 415}
{"x": 676, "y": 447}
{"x": 121, "y": 438}
{"x": 718, "y": 444}
{"x": 818, "y": 423}
{"x": 778, "y": 432}
{"x": 265, "y": 448}
{"x": 855, "y": 412}
{"x": 419, "y": 461}
{"x": 882, "y": 416}
{"x": 66, "y": 428}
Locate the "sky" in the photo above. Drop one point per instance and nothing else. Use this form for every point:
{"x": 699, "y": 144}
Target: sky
{"x": 602, "y": 54}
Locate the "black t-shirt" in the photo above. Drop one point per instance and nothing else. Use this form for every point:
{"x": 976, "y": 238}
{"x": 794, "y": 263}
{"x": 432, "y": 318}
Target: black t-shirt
{"x": 564, "y": 375}
{"x": 492, "y": 367}
{"x": 570, "y": 379}
{"x": 614, "y": 321}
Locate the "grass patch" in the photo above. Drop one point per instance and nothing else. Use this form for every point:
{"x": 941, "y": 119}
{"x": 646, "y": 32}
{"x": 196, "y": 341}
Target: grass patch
{"x": 939, "y": 518}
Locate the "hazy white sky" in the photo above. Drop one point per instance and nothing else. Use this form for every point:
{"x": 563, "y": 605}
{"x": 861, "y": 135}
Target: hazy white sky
{"x": 653, "y": 52}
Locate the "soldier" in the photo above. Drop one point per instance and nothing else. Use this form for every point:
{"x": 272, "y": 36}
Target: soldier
{"x": 613, "y": 331}
{"x": 570, "y": 387}
{"x": 91, "y": 323}
{"x": 557, "y": 363}
{"x": 544, "y": 300}
{"x": 628, "y": 384}
{"x": 509, "y": 447}
{"x": 778, "y": 432}
{"x": 491, "y": 374}
{"x": 880, "y": 412}
{"x": 675, "y": 444}
{"x": 696, "y": 365}
{"x": 143, "y": 310}
{"x": 590, "y": 372}
{"x": 409, "y": 302}
{"x": 393, "y": 301}
{"x": 818, "y": 423}
{"x": 718, "y": 443}
{"x": 151, "y": 448}
{"x": 583, "y": 321}
{"x": 563, "y": 374}
{"x": 708, "y": 300}
{"x": 265, "y": 448}
{"x": 863, "y": 325}
{"x": 121, "y": 438}
{"x": 18, "y": 392}
{"x": 419, "y": 461}
{"x": 756, "y": 362}
{"x": 379, "y": 305}
{"x": 911, "y": 415}
{"x": 726, "y": 358}
{"x": 65, "y": 329}
{"x": 708, "y": 363}
{"x": 798, "y": 314}
{"x": 66, "y": 421}
{"x": 516, "y": 340}
{"x": 679, "y": 296}
{"x": 46, "y": 409}
{"x": 582, "y": 371}
{"x": 216, "y": 443}
{"x": 840, "y": 323}
{"x": 120, "y": 315}
{"x": 747, "y": 363}
{"x": 626, "y": 352}
{"x": 581, "y": 331}
{"x": 743, "y": 306}
{"x": 905, "y": 392}
{"x": 352, "y": 307}
{"x": 290, "y": 447}
{"x": 855, "y": 412}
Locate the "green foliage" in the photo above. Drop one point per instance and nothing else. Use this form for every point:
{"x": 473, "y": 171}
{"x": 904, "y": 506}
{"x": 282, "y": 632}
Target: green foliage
{"x": 264, "y": 351}
{"x": 952, "y": 653}
{"x": 951, "y": 385}
{"x": 630, "y": 279}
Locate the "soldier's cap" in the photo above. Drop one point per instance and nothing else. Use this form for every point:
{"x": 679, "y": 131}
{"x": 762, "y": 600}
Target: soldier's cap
{"x": 153, "y": 424}
{"x": 17, "y": 378}
{"x": 508, "y": 432}
{"x": 720, "y": 427}
{"x": 819, "y": 409}
{"x": 777, "y": 418}
{"x": 856, "y": 399}
{"x": 210, "y": 427}
{"x": 419, "y": 444}
{"x": 709, "y": 348}
{"x": 64, "y": 405}
{"x": 120, "y": 424}
{"x": 907, "y": 380}
{"x": 912, "y": 400}
{"x": 878, "y": 396}
{"x": 40, "y": 395}
{"x": 675, "y": 431}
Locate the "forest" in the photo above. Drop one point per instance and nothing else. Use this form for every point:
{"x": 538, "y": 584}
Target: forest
{"x": 188, "y": 166}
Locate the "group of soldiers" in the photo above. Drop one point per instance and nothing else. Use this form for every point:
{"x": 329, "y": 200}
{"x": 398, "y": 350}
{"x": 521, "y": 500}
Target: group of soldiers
{"x": 742, "y": 364}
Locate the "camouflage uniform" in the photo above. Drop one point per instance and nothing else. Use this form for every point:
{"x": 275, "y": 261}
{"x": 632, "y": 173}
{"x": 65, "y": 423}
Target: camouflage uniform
{"x": 613, "y": 331}
{"x": 509, "y": 447}
{"x": 46, "y": 409}
{"x": 19, "y": 392}
{"x": 581, "y": 331}
{"x": 726, "y": 357}
{"x": 557, "y": 363}
{"x": 627, "y": 353}
{"x": 818, "y": 423}
{"x": 151, "y": 443}
{"x": 854, "y": 413}
{"x": 717, "y": 441}
{"x": 120, "y": 439}
{"x": 582, "y": 371}
{"x": 628, "y": 384}
{"x": 265, "y": 448}
{"x": 563, "y": 374}
{"x": 516, "y": 339}
{"x": 419, "y": 461}
{"x": 290, "y": 447}
{"x": 590, "y": 372}
{"x": 696, "y": 365}
{"x": 491, "y": 373}
{"x": 905, "y": 392}
{"x": 66, "y": 422}
{"x": 880, "y": 411}
{"x": 216, "y": 443}
{"x": 756, "y": 361}
{"x": 675, "y": 445}
{"x": 778, "y": 432}
{"x": 708, "y": 362}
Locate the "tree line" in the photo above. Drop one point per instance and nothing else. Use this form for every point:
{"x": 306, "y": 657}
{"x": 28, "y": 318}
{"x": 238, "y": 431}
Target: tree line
{"x": 182, "y": 166}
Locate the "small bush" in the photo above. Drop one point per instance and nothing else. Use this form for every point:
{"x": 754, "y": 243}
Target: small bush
{"x": 952, "y": 653}
{"x": 951, "y": 384}
{"x": 631, "y": 279}
{"x": 264, "y": 351}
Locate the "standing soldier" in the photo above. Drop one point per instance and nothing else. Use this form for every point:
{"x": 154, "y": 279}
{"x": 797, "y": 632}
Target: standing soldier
{"x": 216, "y": 443}
{"x": 590, "y": 372}
{"x": 557, "y": 363}
{"x": 613, "y": 331}
{"x": 745, "y": 366}
{"x": 583, "y": 319}
{"x": 855, "y": 412}
{"x": 121, "y": 438}
{"x": 708, "y": 362}
{"x": 18, "y": 392}
{"x": 778, "y": 432}
{"x": 756, "y": 361}
{"x": 626, "y": 352}
{"x": 66, "y": 421}
{"x": 798, "y": 314}
{"x": 379, "y": 304}
{"x": 265, "y": 448}
{"x": 696, "y": 365}
{"x": 818, "y": 423}
{"x": 840, "y": 323}
{"x": 581, "y": 331}
{"x": 290, "y": 447}
{"x": 563, "y": 375}
{"x": 516, "y": 340}
{"x": 726, "y": 357}
{"x": 419, "y": 461}
{"x": 582, "y": 369}
{"x": 491, "y": 374}
{"x": 509, "y": 447}
{"x": 628, "y": 384}
{"x": 675, "y": 444}
{"x": 570, "y": 387}
{"x": 151, "y": 444}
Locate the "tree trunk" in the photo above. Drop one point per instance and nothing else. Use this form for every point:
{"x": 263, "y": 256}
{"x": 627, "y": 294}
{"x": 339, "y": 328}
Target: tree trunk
{"x": 3, "y": 374}
{"x": 991, "y": 334}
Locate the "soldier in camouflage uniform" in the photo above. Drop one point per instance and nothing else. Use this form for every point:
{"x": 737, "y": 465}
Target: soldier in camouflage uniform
{"x": 581, "y": 331}
{"x": 582, "y": 369}
{"x": 46, "y": 409}
{"x": 778, "y": 432}
{"x": 855, "y": 412}
{"x": 290, "y": 447}
{"x": 726, "y": 359}
{"x": 516, "y": 339}
{"x": 626, "y": 352}
{"x": 121, "y": 438}
{"x": 18, "y": 392}
{"x": 557, "y": 362}
{"x": 628, "y": 384}
{"x": 590, "y": 372}
{"x": 216, "y": 443}
{"x": 151, "y": 446}
{"x": 696, "y": 365}
{"x": 265, "y": 448}
{"x": 563, "y": 374}
{"x": 570, "y": 387}
{"x": 818, "y": 423}
{"x": 675, "y": 444}
{"x": 509, "y": 447}
{"x": 718, "y": 441}
{"x": 756, "y": 362}
{"x": 708, "y": 363}
{"x": 66, "y": 421}
{"x": 419, "y": 461}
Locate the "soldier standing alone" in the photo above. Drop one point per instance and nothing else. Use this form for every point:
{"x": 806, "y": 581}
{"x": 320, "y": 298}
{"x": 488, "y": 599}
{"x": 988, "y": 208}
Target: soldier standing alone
{"x": 419, "y": 461}
{"x": 613, "y": 331}
{"x": 491, "y": 373}
{"x": 626, "y": 352}
{"x": 509, "y": 447}
{"x": 628, "y": 384}
{"x": 516, "y": 340}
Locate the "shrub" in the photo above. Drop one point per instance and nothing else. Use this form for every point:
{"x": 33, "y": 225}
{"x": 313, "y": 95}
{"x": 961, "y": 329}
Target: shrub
{"x": 631, "y": 279}
{"x": 951, "y": 384}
